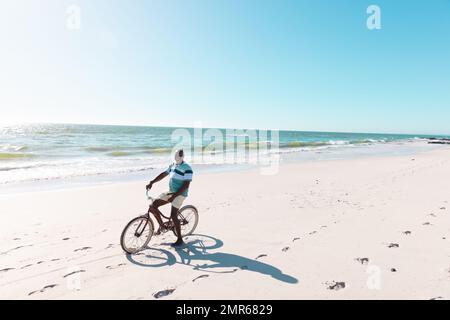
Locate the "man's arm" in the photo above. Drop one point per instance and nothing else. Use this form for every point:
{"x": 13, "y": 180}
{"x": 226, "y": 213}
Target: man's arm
{"x": 158, "y": 178}
{"x": 183, "y": 187}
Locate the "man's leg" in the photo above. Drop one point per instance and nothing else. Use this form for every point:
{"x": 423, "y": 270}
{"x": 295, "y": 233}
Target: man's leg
{"x": 154, "y": 209}
{"x": 176, "y": 222}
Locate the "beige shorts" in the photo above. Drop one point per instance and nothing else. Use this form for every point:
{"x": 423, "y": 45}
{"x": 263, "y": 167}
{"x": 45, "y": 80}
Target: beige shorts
{"x": 176, "y": 203}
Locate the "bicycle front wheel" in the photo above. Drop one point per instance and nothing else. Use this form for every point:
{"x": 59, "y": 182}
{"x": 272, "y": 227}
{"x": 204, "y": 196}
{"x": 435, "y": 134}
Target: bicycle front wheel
{"x": 137, "y": 234}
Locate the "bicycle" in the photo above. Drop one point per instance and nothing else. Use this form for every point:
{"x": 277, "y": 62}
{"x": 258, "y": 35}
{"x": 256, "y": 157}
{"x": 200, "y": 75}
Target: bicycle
{"x": 137, "y": 233}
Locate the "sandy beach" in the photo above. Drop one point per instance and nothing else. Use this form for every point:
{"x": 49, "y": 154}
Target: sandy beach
{"x": 368, "y": 228}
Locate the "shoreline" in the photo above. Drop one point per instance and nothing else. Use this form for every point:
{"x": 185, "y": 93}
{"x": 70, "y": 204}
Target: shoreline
{"x": 53, "y": 156}
{"x": 390, "y": 149}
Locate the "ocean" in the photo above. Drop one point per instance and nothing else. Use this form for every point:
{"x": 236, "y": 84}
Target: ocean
{"x": 46, "y": 152}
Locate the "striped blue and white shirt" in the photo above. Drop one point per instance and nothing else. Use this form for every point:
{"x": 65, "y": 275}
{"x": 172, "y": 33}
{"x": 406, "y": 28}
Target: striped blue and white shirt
{"x": 178, "y": 175}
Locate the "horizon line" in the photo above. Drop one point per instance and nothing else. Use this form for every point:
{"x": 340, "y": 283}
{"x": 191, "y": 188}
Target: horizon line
{"x": 222, "y": 128}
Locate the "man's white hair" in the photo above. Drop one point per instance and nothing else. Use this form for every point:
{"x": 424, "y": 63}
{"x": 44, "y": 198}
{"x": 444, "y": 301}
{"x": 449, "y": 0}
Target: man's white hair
{"x": 179, "y": 156}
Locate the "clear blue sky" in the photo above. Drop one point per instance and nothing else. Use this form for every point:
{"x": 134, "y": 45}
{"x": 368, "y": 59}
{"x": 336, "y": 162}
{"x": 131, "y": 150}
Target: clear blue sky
{"x": 303, "y": 65}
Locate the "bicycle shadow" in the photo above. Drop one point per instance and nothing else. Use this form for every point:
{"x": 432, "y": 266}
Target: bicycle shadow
{"x": 196, "y": 250}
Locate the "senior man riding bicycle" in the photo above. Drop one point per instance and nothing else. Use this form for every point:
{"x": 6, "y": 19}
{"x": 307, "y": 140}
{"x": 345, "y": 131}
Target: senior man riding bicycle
{"x": 180, "y": 177}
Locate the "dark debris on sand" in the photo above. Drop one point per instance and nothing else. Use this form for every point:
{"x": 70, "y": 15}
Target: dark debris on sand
{"x": 363, "y": 260}
{"x": 163, "y": 293}
{"x": 336, "y": 285}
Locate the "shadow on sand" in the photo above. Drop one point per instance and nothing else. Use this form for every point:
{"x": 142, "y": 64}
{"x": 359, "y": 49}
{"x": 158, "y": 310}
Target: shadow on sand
{"x": 197, "y": 250}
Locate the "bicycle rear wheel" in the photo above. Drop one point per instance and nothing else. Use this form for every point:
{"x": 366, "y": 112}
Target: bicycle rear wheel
{"x": 188, "y": 217}
{"x": 137, "y": 234}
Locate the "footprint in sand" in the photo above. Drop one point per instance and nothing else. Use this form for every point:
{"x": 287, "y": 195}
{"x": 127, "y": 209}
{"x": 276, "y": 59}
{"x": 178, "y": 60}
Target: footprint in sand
{"x": 442, "y": 208}
{"x": 39, "y": 262}
{"x": 72, "y": 273}
{"x": 295, "y": 239}
{"x": 200, "y": 277}
{"x": 312, "y": 232}
{"x": 426, "y": 224}
{"x": 163, "y": 293}
{"x": 116, "y": 266}
{"x": 56, "y": 259}
{"x": 432, "y": 215}
{"x": 393, "y": 245}
{"x": 261, "y": 256}
{"x": 393, "y": 270}
{"x": 26, "y": 266}
{"x": 50, "y": 286}
{"x": 335, "y": 285}
{"x": 363, "y": 260}
{"x": 16, "y": 248}
{"x": 82, "y": 249}
{"x": 65, "y": 239}
{"x": 438, "y": 298}
{"x": 285, "y": 249}
{"x": 111, "y": 245}
{"x": 7, "y": 269}
{"x": 407, "y": 232}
